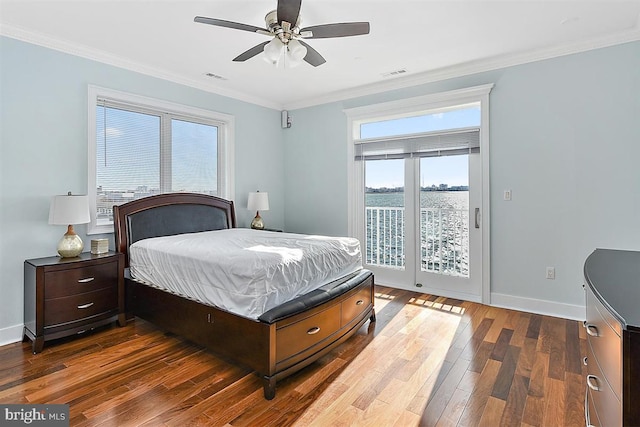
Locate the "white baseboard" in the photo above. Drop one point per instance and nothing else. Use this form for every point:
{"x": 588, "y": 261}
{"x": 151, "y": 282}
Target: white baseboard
{"x": 529, "y": 305}
{"x": 538, "y": 306}
{"x": 11, "y": 334}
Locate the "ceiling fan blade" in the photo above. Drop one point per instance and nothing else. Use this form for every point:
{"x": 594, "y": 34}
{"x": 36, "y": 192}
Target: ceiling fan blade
{"x": 251, "y": 52}
{"x": 312, "y": 57}
{"x": 288, "y": 10}
{"x": 344, "y": 29}
{"x": 230, "y": 24}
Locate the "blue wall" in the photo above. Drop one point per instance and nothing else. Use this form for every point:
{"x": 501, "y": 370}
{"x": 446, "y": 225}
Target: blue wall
{"x": 43, "y": 151}
{"x": 565, "y": 138}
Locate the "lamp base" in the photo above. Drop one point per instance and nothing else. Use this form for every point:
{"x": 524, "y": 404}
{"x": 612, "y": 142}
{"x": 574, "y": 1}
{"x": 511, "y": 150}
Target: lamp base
{"x": 257, "y": 223}
{"x": 70, "y": 245}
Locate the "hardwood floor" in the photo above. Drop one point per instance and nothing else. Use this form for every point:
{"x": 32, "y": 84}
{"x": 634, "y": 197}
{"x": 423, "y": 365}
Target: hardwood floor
{"x": 427, "y": 360}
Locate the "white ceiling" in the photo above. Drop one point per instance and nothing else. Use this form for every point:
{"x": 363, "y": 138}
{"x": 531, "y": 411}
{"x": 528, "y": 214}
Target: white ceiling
{"x": 429, "y": 39}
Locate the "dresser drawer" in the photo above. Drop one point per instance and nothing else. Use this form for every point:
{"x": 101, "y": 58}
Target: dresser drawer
{"x": 590, "y": 414}
{"x": 601, "y": 397}
{"x": 301, "y": 335}
{"x": 605, "y": 342}
{"x": 80, "y": 280}
{"x": 355, "y": 305}
{"x": 75, "y": 307}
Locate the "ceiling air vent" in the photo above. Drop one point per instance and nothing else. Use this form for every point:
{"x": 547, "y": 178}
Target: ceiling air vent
{"x": 395, "y": 73}
{"x": 215, "y": 76}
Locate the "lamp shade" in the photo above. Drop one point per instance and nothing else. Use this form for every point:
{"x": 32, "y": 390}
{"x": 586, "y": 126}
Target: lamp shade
{"x": 258, "y": 201}
{"x": 273, "y": 50}
{"x": 295, "y": 53}
{"x": 69, "y": 209}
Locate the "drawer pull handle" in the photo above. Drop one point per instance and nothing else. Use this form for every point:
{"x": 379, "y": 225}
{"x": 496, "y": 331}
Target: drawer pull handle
{"x": 87, "y": 280}
{"x": 592, "y": 382}
{"x": 359, "y": 302}
{"x": 313, "y": 330}
{"x": 584, "y": 361}
{"x": 592, "y": 330}
{"x": 85, "y": 305}
{"x": 81, "y": 332}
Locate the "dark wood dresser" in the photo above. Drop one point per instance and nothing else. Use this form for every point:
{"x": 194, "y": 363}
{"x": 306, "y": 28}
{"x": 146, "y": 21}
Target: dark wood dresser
{"x": 67, "y": 296}
{"x": 613, "y": 338}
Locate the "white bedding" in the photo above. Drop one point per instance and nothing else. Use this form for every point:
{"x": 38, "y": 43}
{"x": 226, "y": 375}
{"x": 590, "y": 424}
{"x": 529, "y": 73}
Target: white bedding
{"x": 243, "y": 271}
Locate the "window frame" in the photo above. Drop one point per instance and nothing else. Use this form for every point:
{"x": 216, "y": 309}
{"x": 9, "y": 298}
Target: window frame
{"x": 137, "y": 103}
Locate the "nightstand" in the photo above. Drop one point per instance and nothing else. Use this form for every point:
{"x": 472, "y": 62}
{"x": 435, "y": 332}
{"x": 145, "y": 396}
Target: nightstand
{"x": 68, "y": 296}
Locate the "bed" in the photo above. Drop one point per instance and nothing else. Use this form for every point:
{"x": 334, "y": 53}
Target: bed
{"x": 274, "y": 341}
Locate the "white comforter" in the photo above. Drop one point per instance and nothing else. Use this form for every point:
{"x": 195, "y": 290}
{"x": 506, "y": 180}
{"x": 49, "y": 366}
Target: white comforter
{"x": 244, "y": 271}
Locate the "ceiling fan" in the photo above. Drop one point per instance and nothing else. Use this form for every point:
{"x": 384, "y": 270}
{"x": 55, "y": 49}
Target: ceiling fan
{"x": 283, "y": 24}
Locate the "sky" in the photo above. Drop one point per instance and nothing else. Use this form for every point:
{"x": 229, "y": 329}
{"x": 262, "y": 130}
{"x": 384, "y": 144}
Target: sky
{"x": 451, "y": 170}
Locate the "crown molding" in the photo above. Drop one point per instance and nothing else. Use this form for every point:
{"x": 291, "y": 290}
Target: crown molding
{"x": 459, "y": 70}
{"x": 117, "y": 61}
{"x": 472, "y": 67}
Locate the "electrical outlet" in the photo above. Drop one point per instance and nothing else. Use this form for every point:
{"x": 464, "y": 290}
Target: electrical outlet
{"x": 507, "y": 195}
{"x": 551, "y": 273}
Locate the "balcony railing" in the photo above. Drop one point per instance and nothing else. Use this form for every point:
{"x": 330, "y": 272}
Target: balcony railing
{"x": 444, "y": 239}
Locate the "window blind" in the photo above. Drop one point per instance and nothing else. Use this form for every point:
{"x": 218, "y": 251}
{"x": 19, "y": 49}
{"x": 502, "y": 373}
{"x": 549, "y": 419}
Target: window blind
{"x": 426, "y": 144}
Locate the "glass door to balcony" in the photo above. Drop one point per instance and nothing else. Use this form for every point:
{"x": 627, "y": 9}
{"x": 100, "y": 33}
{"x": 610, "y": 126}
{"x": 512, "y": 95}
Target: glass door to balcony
{"x": 386, "y": 227}
{"x": 422, "y": 232}
{"x": 449, "y": 239}
{"x": 422, "y": 203}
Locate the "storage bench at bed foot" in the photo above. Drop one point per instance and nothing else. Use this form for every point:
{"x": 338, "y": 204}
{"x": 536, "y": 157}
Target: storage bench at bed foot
{"x": 299, "y": 336}
{"x": 303, "y": 338}
{"x": 306, "y": 355}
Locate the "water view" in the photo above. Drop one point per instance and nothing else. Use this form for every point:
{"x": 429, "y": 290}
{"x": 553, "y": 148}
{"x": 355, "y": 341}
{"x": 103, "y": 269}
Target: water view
{"x": 444, "y": 230}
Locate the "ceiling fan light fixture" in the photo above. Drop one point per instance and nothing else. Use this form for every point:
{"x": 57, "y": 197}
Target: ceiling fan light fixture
{"x": 295, "y": 53}
{"x": 297, "y": 50}
{"x": 283, "y": 25}
{"x": 273, "y": 50}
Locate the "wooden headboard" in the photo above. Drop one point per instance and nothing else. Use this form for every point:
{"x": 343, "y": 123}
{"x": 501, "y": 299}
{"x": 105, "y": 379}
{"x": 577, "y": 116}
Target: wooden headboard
{"x": 169, "y": 214}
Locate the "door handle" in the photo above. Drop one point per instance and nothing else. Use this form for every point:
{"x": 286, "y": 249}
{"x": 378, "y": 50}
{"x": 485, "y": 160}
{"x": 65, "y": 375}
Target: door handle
{"x": 477, "y": 217}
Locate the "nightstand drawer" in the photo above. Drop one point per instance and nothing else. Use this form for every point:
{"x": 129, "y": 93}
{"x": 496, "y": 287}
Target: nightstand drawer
{"x": 80, "y": 280}
{"x": 75, "y": 307}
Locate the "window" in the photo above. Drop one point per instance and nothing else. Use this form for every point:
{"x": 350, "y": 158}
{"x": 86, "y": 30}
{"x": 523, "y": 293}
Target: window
{"x": 140, "y": 146}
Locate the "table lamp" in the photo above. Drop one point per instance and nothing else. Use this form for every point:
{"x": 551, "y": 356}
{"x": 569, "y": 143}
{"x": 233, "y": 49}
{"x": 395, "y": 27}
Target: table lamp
{"x": 69, "y": 210}
{"x": 258, "y": 202}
